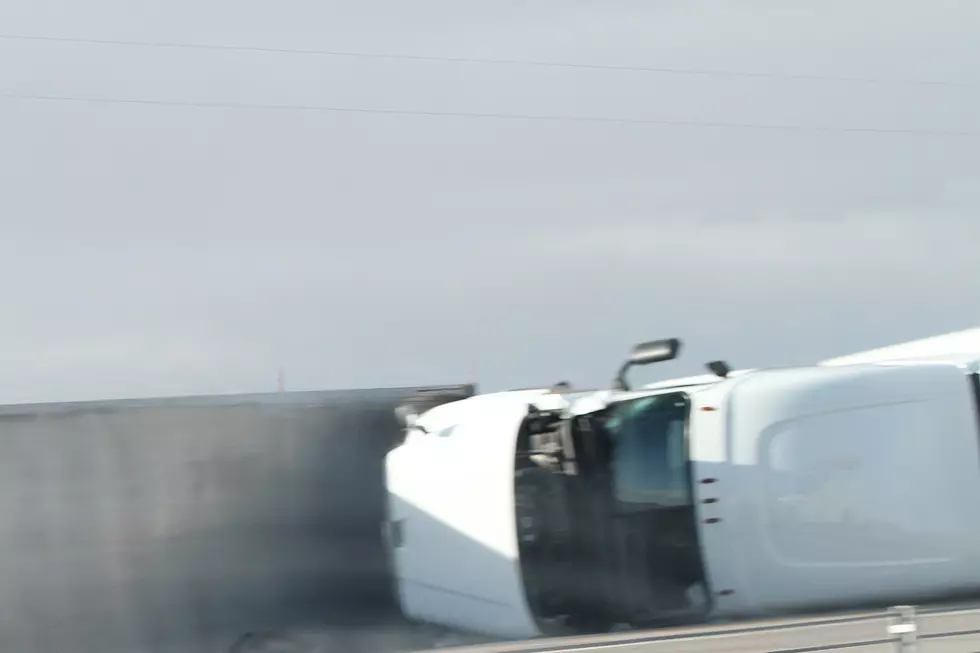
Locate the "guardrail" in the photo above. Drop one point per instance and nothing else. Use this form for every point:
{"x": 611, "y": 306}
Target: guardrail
{"x": 934, "y": 630}
{"x": 899, "y": 629}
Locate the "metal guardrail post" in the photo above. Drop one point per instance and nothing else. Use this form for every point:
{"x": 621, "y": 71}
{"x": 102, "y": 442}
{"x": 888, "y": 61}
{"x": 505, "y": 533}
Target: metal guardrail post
{"x": 904, "y": 625}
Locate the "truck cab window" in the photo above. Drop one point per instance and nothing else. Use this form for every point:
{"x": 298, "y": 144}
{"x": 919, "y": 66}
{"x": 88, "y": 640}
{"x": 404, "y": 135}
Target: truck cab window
{"x": 649, "y": 456}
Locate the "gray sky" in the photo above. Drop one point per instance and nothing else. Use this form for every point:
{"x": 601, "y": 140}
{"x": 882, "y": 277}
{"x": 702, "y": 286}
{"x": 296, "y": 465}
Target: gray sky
{"x": 152, "y": 250}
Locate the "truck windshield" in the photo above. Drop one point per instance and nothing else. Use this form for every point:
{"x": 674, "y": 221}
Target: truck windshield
{"x": 649, "y": 460}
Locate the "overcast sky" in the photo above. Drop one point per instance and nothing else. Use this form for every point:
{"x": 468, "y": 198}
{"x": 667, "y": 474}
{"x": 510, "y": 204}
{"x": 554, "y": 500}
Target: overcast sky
{"x": 159, "y": 249}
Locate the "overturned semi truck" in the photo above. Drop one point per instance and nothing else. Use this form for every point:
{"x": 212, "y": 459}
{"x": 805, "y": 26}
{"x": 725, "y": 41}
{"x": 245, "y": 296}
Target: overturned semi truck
{"x": 737, "y": 493}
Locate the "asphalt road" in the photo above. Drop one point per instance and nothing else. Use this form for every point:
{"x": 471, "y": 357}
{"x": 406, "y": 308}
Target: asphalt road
{"x": 954, "y": 629}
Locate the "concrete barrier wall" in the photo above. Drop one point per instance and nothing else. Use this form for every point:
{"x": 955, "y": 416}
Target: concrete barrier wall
{"x": 177, "y": 525}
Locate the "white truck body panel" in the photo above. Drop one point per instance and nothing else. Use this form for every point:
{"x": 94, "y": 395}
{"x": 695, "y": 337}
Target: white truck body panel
{"x": 846, "y": 485}
{"x": 452, "y": 489}
{"x": 951, "y": 345}
{"x": 710, "y": 452}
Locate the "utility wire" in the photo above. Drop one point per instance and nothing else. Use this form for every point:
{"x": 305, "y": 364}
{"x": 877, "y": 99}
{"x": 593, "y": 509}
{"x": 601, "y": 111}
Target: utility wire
{"x": 499, "y": 62}
{"x": 485, "y": 115}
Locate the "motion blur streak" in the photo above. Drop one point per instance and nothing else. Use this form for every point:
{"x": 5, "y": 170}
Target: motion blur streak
{"x": 181, "y": 525}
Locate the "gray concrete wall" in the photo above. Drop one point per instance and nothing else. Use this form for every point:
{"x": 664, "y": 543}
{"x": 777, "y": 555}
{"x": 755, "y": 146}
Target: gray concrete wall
{"x": 178, "y": 525}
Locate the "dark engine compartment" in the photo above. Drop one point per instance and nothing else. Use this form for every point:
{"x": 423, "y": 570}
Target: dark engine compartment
{"x": 591, "y": 559}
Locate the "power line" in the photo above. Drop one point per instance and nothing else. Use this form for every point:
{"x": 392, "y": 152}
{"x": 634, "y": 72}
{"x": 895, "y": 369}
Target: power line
{"x": 702, "y": 72}
{"x": 484, "y": 115}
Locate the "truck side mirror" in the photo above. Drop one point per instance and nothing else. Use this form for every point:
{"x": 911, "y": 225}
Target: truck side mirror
{"x": 647, "y": 353}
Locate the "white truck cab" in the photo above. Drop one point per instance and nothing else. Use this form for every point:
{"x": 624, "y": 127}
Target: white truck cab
{"x": 540, "y": 512}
